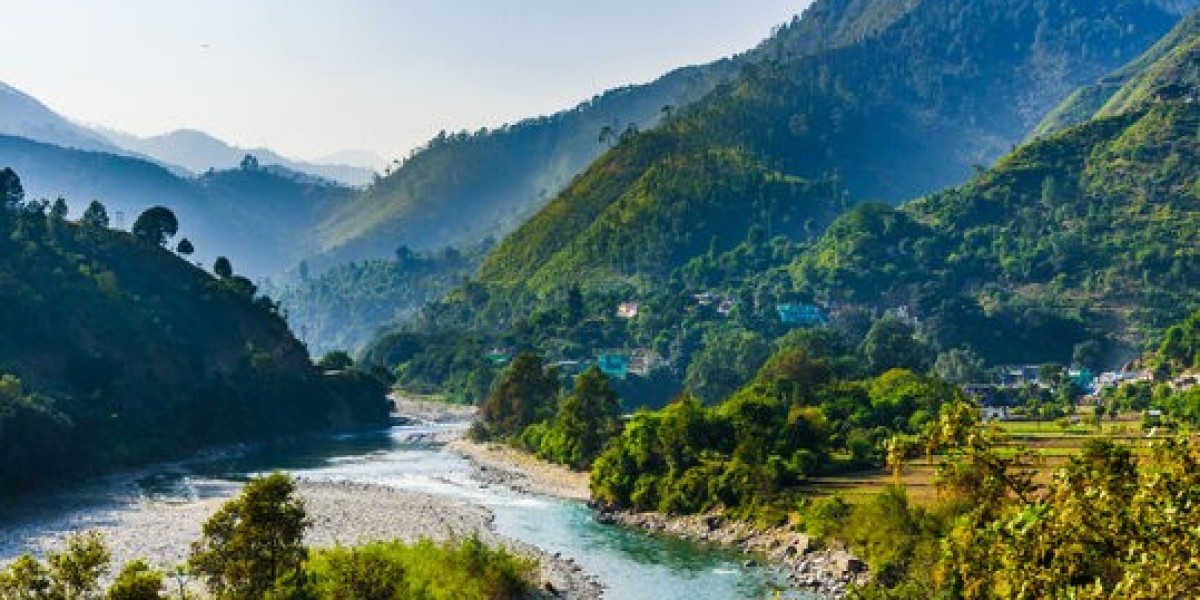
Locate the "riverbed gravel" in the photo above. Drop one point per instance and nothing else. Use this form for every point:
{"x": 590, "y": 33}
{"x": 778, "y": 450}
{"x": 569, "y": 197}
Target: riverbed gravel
{"x": 342, "y": 513}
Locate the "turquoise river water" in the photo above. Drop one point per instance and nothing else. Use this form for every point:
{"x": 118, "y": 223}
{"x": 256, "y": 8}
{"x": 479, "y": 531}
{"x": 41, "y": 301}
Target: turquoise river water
{"x": 631, "y": 565}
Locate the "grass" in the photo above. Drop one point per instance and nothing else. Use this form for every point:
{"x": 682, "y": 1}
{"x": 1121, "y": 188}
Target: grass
{"x": 1051, "y": 443}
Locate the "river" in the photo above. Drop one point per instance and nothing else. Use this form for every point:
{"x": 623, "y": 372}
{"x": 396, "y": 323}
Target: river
{"x": 631, "y": 565}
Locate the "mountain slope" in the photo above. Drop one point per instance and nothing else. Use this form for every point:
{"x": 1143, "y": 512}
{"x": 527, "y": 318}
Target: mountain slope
{"x": 125, "y": 353}
{"x": 1098, "y": 99}
{"x": 199, "y": 152}
{"x": 24, "y": 116}
{"x": 907, "y": 109}
{"x": 462, "y": 188}
{"x": 1098, "y": 224}
{"x": 258, "y": 218}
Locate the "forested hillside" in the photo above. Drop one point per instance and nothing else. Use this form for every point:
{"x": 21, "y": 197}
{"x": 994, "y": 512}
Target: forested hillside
{"x": 464, "y": 187}
{"x": 907, "y": 109}
{"x": 259, "y": 216}
{"x": 1077, "y": 245}
{"x": 113, "y": 350}
{"x": 1120, "y": 90}
{"x": 345, "y": 307}
{"x": 1094, "y": 232}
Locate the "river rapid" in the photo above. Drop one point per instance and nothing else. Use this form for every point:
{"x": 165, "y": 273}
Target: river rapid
{"x": 630, "y": 565}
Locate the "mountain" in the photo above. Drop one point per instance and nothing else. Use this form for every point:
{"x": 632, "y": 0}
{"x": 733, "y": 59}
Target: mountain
{"x": 1102, "y": 98}
{"x": 1091, "y": 233}
{"x": 364, "y": 159}
{"x": 115, "y": 351}
{"x": 22, "y": 115}
{"x": 464, "y": 187}
{"x": 903, "y": 108}
{"x": 259, "y": 217}
{"x": 199, "y": 152}
{"x": 344, "y": 307}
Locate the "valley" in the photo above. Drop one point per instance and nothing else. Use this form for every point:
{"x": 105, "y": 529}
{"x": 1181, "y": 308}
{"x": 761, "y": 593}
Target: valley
{"x": 901, "y": 301}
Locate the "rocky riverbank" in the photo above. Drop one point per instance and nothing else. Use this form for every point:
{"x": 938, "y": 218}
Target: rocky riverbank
{"x": 504, "y": 465}
{"x": 429, "y": 411}
{"x": 825, "y": 572}
{"x": 342, "y": 514}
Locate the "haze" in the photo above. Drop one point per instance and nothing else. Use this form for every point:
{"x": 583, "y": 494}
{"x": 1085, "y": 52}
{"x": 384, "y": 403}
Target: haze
{"x": 315, "y": 77}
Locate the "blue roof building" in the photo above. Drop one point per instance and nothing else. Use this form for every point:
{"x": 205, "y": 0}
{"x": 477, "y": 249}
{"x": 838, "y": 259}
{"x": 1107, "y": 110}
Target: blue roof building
{"x": 805, "y": 315}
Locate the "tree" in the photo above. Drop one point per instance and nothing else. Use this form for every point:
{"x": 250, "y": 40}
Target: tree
{"x": 335, "y": 360}
{"x": 892, "y": 344}
{"x": 185, "y": 247}
{"x": 587, "y": 419}
{"x": 249, "y": 163}
{"x": 76, "y": 572}
{"x": 575, "y": 307}
{"x": 25, "y": 579}
{"x": 58, "y": 211}
{"x": 524, "y": 395}
{"x": 156, "y": 225}
{"x": 959, "y": 365}
{"x": 223, "y": 268}
{"x": 137, "y": 581}
{"x": 253, "y": 541}
{"x": 1087, "y": 355}
{"x": 11, "y": 192}
{"x": 95, "y": 216}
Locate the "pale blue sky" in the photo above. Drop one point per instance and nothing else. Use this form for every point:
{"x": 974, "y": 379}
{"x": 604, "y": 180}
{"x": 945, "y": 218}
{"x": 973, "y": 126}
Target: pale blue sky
{"x": 310, "y": 77}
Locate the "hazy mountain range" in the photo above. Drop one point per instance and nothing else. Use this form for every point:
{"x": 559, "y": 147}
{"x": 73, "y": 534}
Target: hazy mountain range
{"x": 183, "y": 152}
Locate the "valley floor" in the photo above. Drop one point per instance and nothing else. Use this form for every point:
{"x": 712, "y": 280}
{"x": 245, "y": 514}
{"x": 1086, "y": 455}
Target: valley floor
{"x": 342, "y": 513}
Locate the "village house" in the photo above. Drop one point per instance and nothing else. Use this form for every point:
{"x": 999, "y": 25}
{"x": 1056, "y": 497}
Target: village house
{"x": 800, "y": 314}
{"x": 628, "y": 310}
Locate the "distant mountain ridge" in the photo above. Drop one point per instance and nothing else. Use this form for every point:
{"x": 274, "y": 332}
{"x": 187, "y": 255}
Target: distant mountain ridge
{"x": 261, "y": 218}
{"x": 199, "y": 152}
{"x": 24, "y": 116}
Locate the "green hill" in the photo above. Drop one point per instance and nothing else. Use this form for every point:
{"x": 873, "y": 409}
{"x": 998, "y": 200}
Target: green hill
{"x": 1093, "y": 232}
{"x": 907, "y": 108}
{"x": 1123, "y": 89}
{"x": 260, "y": 217}
{"x": 464, "y": 187}
{"x": 114, "y": 351}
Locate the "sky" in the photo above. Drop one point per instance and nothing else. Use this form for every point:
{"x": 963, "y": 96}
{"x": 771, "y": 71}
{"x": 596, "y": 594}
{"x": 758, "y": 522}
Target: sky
{"x": 312, "y": 77}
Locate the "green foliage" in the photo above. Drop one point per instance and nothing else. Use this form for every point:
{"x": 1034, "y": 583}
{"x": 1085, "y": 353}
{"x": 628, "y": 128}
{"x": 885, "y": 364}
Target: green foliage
{"x": 126, "y": 353}
{"x": 462, "y": 187}
{"x": 586, "y": 420}
{"x": 156, "y": 225}
{"x": 335, "y": 360}
{"x": 254, "y": 542}
{"x": 137, "y": 581}
{"x": 347, "y": 305}
{"x": 222, "y": 268}
{"x": 883, "y": 113}
{"x": 1180, "y": 346}
{"x": 1096, "y": 224}
{"x": 526, "y": 393}
{"x": 251, "y": 549}
{"x": 727, "y": 360}
{"x": 425, "y": 570}
{"x": 749, "y": 452}
{"x": 70, "y": 574}
{"x": 95, "y": 216}
{"x": 892, "y": 344}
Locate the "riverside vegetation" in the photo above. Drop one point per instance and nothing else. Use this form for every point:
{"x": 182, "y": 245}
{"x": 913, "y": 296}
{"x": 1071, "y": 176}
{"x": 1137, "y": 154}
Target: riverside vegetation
{"x": 1078, "y": 246}
{"x": 117, "y": 351}
{"x": 251, "y": 549}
